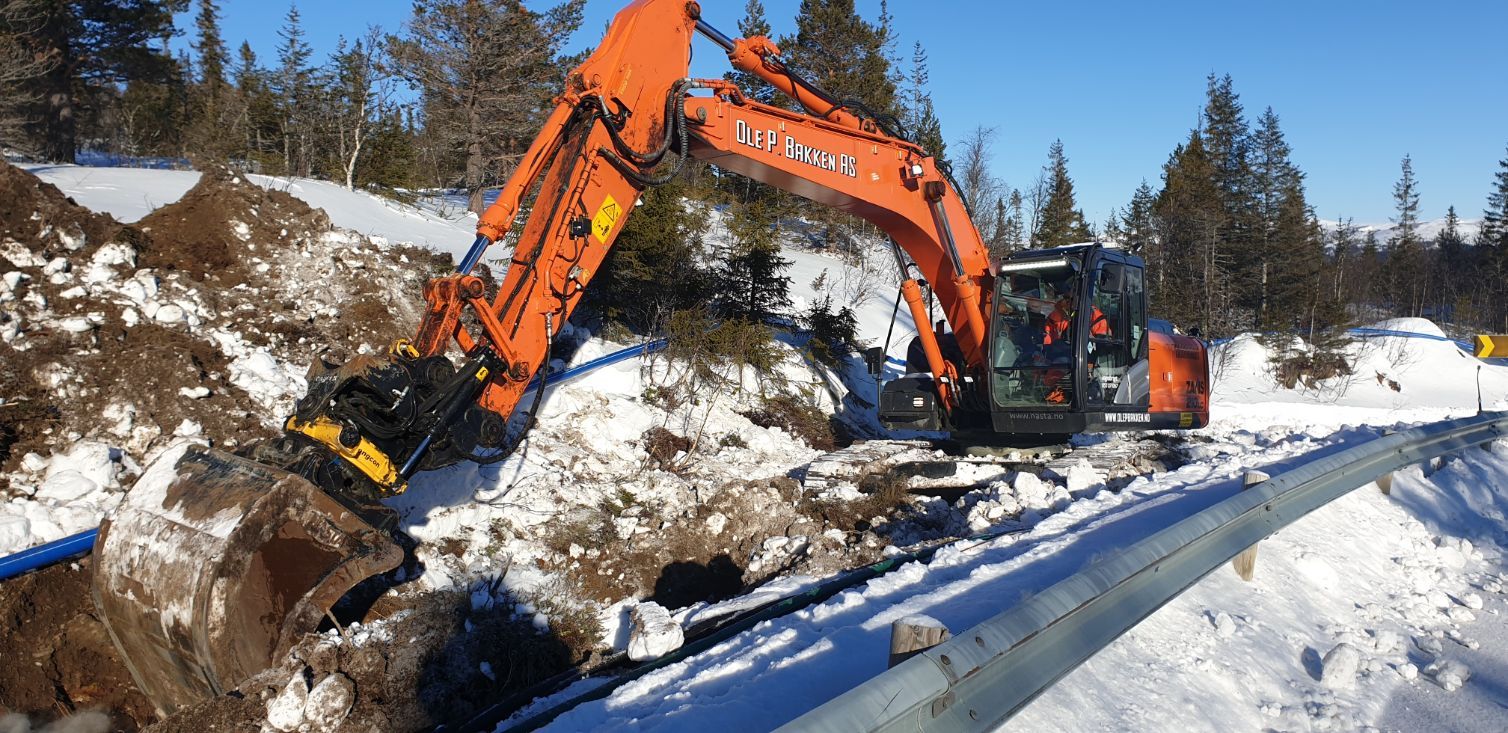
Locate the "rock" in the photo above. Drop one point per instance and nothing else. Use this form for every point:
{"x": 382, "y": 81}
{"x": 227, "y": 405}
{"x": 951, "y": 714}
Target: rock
{"x": 1408, "y": 671}
{"x": 169, "y": 313}
{"x": 1225, "y": 626}
{"x": 286, "y": 710}
{"x": 329, "y": 702}
{"x": 654, "y": 633}
{"x": 1340, "y": 665}
{"x": 717, "y": 523}
{"x": 1429, "y": 645}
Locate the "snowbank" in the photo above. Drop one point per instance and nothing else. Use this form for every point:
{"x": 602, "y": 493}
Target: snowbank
{"x": 1388, "y": 372}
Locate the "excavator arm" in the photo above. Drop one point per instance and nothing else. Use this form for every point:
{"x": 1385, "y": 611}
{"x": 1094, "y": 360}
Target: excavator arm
{"x": 216, "y": 564}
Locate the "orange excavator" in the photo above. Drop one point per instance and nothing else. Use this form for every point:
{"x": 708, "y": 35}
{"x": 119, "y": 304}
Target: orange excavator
{"x": 215, "y": 564}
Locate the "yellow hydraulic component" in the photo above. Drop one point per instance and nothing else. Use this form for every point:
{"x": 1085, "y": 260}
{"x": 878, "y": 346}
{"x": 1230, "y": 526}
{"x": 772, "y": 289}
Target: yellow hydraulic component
{"x": 364, "y": 455}
{"x": 403, "y": 347}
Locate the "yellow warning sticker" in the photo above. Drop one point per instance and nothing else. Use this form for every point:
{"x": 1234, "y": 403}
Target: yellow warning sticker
{"x": 1185, "y": 419}
{"x": 607, "y": 215}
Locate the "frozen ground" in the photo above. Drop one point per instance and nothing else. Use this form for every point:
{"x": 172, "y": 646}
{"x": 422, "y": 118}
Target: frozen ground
{"x": 1394, "y": 583}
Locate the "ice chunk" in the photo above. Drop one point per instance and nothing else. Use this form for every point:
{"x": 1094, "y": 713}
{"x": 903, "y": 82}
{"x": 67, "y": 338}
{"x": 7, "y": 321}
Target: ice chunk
{"x": 654, "y": 633}
{"x": 1340, "y": 665}
{"x": 67, "y": 485}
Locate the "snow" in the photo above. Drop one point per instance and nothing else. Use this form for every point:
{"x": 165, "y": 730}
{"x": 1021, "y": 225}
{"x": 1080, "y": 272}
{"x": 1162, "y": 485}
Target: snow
{"x": 1378, "y": 610}
{"x": 129, "y": 194}
{"x": 654, "y": 632}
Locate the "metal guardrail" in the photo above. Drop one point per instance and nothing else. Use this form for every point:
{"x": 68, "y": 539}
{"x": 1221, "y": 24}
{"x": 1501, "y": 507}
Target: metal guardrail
{"x": 984, "y": 675}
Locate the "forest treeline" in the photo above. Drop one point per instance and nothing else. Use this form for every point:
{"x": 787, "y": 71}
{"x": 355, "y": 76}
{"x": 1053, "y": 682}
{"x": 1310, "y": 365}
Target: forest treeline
{"x": 452, "y": 98}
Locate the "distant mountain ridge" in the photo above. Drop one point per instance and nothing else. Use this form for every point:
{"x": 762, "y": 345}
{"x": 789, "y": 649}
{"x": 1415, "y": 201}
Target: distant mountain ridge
{"x": 1427, "y": 230}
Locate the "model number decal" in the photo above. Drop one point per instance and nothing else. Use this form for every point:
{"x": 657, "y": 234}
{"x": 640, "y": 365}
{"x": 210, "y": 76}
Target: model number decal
{"x": 773, "y": 141}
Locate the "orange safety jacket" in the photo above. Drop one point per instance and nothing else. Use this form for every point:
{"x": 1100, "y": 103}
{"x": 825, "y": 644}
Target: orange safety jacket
{"x": 1058, "y": 323}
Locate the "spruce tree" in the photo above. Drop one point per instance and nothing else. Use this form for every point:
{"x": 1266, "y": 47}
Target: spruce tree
{"x": 96, "y": 46}
{"x": 752, "y": 283}
{"x": 1191, "y": 286}
{"x": 293, "y": 83}
{"x": 1061, "y": 222}
{"x": 1492, "y": 239}
{"x": 1015, "y": 225}
{"x": 843, "y": 54}
{"x": 654, "y": 268}
{"x": 1405, "y": 258}
{"x": 212, "y": 134}
{"x": 1494, "y": 232}
{"x": 753, "y": 24}
{"x": 921, "y": 116}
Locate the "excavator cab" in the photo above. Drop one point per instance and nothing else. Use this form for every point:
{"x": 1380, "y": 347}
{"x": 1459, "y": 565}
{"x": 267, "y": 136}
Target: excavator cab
{"x": 1093, "y": 363}
{"x": 1071, "y": 350}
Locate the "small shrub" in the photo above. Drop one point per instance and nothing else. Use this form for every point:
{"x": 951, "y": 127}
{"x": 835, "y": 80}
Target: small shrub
{"x": 799, "y": 419}
{"x": 1293, "y": 369}
{"x": 663, "y": 446}
{"x": 834, "y": 332}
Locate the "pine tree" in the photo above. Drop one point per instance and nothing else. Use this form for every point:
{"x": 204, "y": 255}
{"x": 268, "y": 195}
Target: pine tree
{"x": 1061, "y": 222}
{"x": 487, "y": 71}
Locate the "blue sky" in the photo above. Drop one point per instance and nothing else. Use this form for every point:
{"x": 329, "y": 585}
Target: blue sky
{"x": 1357, "y": 84}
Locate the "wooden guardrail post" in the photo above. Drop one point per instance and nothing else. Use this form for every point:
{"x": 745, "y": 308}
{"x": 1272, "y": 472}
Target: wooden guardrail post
{"x": 1245, "y": 563}
{"x": 913, "y": 635}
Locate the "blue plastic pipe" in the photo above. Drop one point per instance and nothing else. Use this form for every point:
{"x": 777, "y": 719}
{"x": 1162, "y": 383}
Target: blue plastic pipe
{"x": 41, "y": 556}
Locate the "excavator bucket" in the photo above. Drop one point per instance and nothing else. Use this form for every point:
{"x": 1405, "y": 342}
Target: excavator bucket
{"x": 214, "y": 566}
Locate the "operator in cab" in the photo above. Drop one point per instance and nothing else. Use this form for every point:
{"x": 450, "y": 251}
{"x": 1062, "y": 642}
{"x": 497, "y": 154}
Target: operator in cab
{"x": 1061, "y": 319}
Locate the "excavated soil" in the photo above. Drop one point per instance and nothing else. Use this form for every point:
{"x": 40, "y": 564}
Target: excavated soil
{"x": 58, "y": 659}
{"x": 204, "y": 234}
{"x": 38, "y": 213}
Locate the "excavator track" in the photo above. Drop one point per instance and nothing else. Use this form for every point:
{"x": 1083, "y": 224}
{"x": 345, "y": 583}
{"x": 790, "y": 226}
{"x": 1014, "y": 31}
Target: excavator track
{"x": 928, "y": 467}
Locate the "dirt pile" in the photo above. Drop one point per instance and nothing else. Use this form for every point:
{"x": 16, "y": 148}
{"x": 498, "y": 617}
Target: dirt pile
{"x": 197, "y": 322}
{"x": 50, "y": 223}
{"x": 438, "y": 661}
{"x": 205, "y": 233}
{"x": 58, "y": 656}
